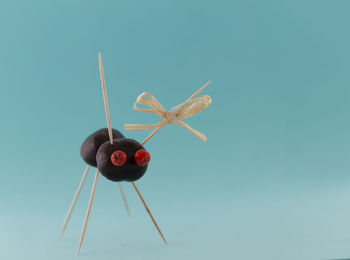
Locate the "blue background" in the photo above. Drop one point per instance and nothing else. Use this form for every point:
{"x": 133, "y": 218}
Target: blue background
{"x": 271, "y": 182}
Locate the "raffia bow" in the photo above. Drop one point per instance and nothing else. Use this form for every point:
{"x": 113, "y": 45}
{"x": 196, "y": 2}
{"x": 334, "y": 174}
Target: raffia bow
{"x": 175, "y": 115}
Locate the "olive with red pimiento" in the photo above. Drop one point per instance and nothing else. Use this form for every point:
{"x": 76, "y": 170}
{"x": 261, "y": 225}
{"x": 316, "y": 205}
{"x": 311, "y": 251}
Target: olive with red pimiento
{"x": 124, "y": 160}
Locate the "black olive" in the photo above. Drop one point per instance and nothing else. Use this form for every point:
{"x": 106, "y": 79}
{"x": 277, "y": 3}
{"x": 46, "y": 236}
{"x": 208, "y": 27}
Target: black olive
{"x": 130, "y": 170}
{"x": 91, "y": 144}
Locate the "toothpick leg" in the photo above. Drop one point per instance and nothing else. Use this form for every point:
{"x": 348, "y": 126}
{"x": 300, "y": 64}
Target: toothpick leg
{"x": 88, "y": 211}
{"x": 74, "y": 200}
{"x": 124, "y": 199}
{"x": 148, "y": 211}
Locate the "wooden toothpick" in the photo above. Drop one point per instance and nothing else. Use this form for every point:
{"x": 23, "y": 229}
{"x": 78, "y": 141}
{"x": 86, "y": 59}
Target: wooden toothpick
{"x": 150, "y": 136}
{"x": 103, "y": 83}
{"x": 88, "y": 211}
{"x": 124, "y": 199}
{"x": 74, "y": 200}
{"x": 110, "y": 133}
{"x": 148, "y": 211}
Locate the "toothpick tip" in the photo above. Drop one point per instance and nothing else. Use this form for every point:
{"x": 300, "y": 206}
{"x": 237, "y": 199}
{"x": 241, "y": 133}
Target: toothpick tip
{"x": 208, "y": 82}
{"x": 78, "y": 251}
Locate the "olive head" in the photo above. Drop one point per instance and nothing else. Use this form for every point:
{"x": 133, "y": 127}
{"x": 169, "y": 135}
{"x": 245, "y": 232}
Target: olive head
{"x": 124, "y": 160}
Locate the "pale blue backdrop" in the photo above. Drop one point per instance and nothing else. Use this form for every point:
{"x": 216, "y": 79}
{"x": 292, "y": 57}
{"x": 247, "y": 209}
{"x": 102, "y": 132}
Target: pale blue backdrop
{"x": 271, "y": 182}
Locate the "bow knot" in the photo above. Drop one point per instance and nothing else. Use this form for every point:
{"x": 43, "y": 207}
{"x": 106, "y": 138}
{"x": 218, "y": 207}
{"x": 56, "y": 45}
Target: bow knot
{"x": 190, "y": 107}
{"x": 169, "y": 116}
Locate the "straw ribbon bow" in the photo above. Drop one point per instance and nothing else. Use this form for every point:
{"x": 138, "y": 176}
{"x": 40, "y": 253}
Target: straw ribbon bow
{"x": 175, "y": 115}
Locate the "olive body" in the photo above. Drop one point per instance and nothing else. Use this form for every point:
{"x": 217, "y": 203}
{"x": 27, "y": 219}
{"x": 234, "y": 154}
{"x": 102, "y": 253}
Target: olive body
{"x": 92, "y": 143}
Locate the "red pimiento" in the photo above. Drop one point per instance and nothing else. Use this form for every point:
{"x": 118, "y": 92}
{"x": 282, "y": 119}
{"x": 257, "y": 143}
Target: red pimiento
{"x": 118, "y": 158}
{"x": 142, "y": 157}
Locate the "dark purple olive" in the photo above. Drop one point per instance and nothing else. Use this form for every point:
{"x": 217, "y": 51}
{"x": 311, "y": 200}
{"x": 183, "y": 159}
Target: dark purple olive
{"x": 117, "y": 161}
{"x": 91, "y": 144}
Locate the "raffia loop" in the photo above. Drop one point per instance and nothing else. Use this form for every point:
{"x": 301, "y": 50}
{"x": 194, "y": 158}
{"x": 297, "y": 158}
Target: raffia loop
{"x": 175, "y": 115}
